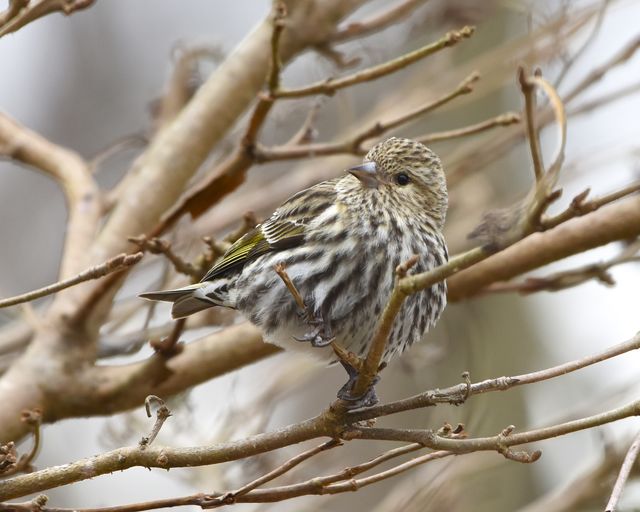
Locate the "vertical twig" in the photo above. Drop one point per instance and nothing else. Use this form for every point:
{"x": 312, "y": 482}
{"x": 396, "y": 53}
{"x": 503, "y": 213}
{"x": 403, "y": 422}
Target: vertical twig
{"x": 625, "y": 470}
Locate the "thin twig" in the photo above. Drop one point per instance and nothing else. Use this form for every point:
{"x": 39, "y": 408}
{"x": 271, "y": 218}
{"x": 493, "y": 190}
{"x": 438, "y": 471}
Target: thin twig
{"x": 506, "y": 119}
{"x": 529, "y": 92}
{"x": 232, "y": 496}
{"x": 331, "y": 85}
{"x": 565, "y": 279}
{"x": 354, "y": 144}
{"x": 342, "y": 354}
{"x": 282, "y": 273}
{"x": 265, "y": 101}
{"x": 170, "y": 346}
{"x": 115, "y": 264}
{"x": 580, "y": 206}
{"x": 376, "y": 22}
{"x": 502, "y": 227}
{"x": 460, "y": 392}
{"x": 29, "y": 13}
{"x": 10, "y": 464}
{"x": 585, "y": 45}
{"x": 162, "y": 414}
{"x": 160, "y": 246}
{"x": 337, "y": 483}
{"x": 604, "y": 99}
{"x": 404, "y": 287}
{"x": 623, "y": 476}
{"x": 597, "y": 73}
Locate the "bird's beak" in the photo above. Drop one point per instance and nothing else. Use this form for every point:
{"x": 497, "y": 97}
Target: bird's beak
{"x": 367, "y": 173}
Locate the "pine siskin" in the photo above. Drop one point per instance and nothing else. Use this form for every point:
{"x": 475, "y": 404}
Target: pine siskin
{"x": 340, "y": 242}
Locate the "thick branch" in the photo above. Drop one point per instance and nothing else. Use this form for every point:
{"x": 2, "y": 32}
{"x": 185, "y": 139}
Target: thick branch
{"x": 124, "y": 387}
{"x": 178, "y": 150}
{"x": 154, "y": 183}
{"x": 326, "y": 424}
{"x": 73, "y": 173}
{"x": 619, "y": 221}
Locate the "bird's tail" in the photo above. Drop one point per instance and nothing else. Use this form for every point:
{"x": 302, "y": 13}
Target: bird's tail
{"x": 186, "y": 301}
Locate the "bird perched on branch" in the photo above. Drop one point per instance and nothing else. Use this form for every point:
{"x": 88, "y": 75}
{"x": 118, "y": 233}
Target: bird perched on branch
{"x": 339, "y": 242}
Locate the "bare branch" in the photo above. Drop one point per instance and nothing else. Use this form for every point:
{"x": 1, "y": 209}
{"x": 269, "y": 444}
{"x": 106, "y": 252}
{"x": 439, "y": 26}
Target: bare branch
{"x": 331, "y": 85}
{"x": 170, "y": 346}
{"x": 232, "y": 171}
{"x": 162, "y": 414}
{"x": 502, "y": 227}
{"x": 529, "y": 92}
{"x": 115, "y": 264}
{"x": 625, "y": 470}
{"x": 506, "y": 119}
{"x": 371, "y": 366}
{"x": 160, "y": 246}
{"x": 567, "y": 278}
{"x": 23, "y": 12}
{"x": 620, "y": 221}
{"x": 460, "y": 392}
{"x": 331, "y": 424}
{"x": 354, "y": 143}
{"x": 73, "y": 173}
{"x": 13, "y": 9}
{"x": 580, "y": 206}
{"x": 597, "y": 73}
{"x": 585, "y": 45}
{"x": 233, "y": 496}
{"x": 282, "y": 273}
{"x": 32, "y": 418}
{"x": 379, "y": 21}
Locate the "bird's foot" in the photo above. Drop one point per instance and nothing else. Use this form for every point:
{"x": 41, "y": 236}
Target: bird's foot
{"x": 320, "y": 335}
{"x": 345, "y": 393}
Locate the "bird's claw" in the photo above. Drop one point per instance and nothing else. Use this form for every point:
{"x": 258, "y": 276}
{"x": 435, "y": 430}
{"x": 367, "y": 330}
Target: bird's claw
{"x": 316, "y": 338}
{"x": 319, "y": 336}
{"x": 345, "y": 393}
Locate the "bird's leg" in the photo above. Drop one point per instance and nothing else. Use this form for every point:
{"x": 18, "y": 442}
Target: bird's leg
{"x": 345, "y": 393}
{"x": 320, "y": 335}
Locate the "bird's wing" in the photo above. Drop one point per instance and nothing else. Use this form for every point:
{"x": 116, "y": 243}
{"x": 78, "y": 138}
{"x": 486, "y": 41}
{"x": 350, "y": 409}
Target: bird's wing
{"x": 272, "y": 235}
{"x": 283, "y": 230}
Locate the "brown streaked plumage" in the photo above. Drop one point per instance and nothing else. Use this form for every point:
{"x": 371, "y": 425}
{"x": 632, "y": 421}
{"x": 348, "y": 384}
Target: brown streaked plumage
{"x": 340, "y": 242}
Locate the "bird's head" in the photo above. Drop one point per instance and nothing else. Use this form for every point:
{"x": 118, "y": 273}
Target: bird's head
{"x": 405, "y": 175}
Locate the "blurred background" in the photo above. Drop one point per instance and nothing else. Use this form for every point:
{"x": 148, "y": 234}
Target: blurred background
{"x": 91, "y": 80}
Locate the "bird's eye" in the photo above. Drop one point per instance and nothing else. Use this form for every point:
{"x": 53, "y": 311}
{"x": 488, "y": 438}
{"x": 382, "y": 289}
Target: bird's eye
{"x": 402, "y": 179}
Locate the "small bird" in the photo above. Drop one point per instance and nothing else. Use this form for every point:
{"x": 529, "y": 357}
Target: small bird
{"x": 339, "y": 242}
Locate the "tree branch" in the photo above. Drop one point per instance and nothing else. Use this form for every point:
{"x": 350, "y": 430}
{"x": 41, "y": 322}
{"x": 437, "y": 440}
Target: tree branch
{"x": 331, "y": 85}
{"x": 354, "y": 143}
{"x": 620, "y": 221}
{"x": 506, "y": 119}
{"x": 330, "y": 423}
{"x": 379, "y": 21}
{"x": 23, "y": 12}
{"x": 625, "y": 470}
{"x": 73, "y": 174}
{"x": 115, "y": 264}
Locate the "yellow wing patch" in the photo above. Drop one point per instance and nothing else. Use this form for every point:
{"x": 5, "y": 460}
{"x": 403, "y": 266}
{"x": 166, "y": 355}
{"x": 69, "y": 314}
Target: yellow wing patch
{"x": 272, "y": 235}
